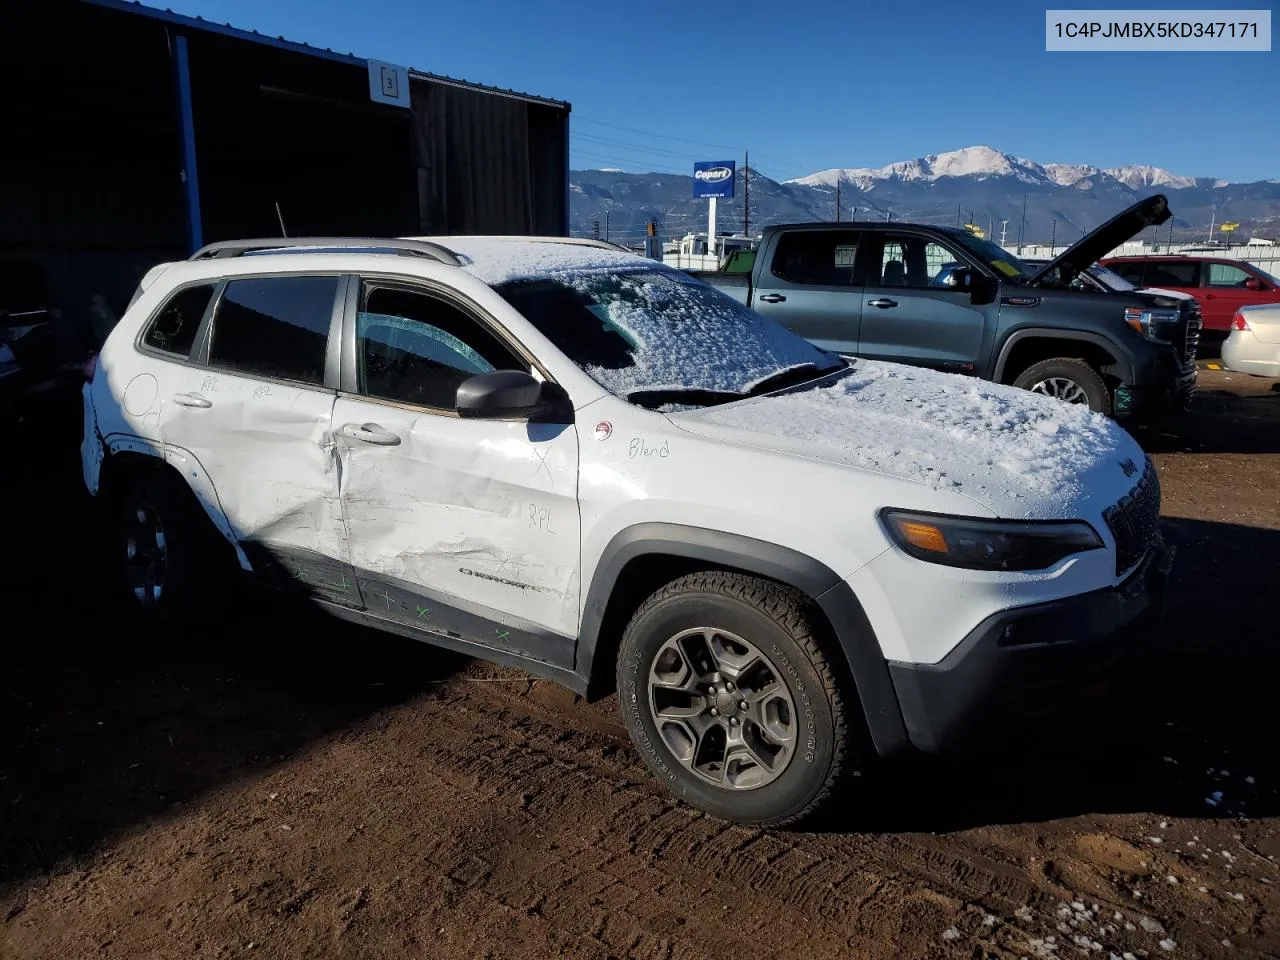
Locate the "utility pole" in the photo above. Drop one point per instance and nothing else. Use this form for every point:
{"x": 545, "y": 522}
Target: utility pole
{"x": 957, "y": 216}
{"x": 837, "y": 199}
{"x": 991, "y": 227}
{"x": 746, "y": 193}
{"x": 1053, "y": 239}
{"x": 1004, "y": 229}
{"x": 1212, "y": 221}
{"x": 1022, "y": 227}
{"x": 606, "y": 225}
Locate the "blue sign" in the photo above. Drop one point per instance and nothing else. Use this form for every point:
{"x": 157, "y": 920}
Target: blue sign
{"x": 713, "y": 178}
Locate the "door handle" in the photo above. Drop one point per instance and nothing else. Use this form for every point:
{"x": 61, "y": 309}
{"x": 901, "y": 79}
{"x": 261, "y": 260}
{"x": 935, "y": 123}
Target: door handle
{"x": 772, "y": 298}
{"x": 191, "y": 400}
{"x": 884, "y": 303}
{"x": 371, "y": 433}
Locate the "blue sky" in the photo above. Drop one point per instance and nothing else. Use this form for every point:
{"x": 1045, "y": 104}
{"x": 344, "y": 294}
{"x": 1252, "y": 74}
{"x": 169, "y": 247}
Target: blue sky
{"x": 808, "y": 86}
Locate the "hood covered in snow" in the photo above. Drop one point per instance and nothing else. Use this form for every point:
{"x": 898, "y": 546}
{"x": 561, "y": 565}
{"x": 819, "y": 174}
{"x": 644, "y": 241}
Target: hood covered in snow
{"x": 1022, "y": 455}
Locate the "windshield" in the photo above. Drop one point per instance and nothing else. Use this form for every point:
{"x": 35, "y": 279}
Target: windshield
{"x": 656, "y": 330}
{"x": 994, "y": 255}
{"x": 1110, "y": 279}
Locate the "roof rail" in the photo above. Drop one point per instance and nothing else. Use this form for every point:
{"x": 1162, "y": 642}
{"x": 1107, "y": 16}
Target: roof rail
{"x": 392, "y": 245}
{"x": 575, "y": 241}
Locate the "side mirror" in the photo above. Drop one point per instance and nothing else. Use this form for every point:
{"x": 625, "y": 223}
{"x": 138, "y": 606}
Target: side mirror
{"x": 1253, "y": 283}
{"x": 512, "y": 395}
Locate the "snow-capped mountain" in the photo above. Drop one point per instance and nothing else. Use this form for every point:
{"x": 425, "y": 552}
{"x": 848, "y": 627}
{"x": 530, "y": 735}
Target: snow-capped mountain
{"x": 1139, "y": 177}
{"x": 977, "y": 184}
{"x": 983, "y": 162}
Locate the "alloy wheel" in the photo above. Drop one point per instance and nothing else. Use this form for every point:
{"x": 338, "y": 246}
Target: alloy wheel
{"x": 722, "y": 709}
{"x": 146, "y": 553}
{"x": 1061, "y": 388}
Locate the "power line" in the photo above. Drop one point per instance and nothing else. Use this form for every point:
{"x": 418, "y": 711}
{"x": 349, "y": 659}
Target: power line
{"x": 786, "y": 164}
{"x": 606, "y": 141}
{"x": 662, "y": 136}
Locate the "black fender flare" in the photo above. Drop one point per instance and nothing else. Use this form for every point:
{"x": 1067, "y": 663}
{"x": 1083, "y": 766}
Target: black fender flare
{"x": 868, "y": 668}
{"x": 1103, "y": 341}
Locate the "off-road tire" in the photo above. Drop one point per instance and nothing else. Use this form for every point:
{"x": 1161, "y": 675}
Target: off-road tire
{"x": 1076, "y": 371}
{"x": 781, "y": 623}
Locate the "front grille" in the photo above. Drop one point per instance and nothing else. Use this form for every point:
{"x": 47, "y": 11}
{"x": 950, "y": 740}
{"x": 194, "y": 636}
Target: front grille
{"x": 1134, "y": 522}
{"x": 1191, "y": 336}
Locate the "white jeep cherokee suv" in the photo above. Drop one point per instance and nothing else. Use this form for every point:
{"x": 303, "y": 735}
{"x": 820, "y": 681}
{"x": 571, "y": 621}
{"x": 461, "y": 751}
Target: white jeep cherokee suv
{"x": 557, "y": 455}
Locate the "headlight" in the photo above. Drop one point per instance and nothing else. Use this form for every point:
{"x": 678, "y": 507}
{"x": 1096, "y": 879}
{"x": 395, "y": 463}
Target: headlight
{"x": 1156, "y": 325}
{"x": 988, "y": 544}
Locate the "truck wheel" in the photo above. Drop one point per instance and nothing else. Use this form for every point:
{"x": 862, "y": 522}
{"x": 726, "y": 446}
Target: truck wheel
{"x": 1069, "y": 380}
{"x": 162, "y": 546}
{"x": 732, "y": 702}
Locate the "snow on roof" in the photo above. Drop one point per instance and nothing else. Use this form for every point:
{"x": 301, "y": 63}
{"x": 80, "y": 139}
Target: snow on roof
{"x": 496, "y": 260}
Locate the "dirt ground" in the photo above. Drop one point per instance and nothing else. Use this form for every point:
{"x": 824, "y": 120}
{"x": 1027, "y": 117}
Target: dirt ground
{"x": 274, "y": 784}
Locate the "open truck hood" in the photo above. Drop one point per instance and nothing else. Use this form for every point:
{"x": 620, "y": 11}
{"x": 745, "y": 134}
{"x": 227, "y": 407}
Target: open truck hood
{"x": 1124, "y": 226}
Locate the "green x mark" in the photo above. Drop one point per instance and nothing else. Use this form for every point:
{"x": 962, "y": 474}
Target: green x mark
{"x": 423, "y": 611}
{"x": 502, "y": 634}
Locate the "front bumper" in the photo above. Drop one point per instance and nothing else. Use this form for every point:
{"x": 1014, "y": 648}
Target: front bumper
{"x": 1027, "y": 661}
{"x": 1145, "y": 401}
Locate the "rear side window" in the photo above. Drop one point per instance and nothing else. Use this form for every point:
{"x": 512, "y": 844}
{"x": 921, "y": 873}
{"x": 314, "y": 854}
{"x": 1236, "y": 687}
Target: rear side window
{"x": 823, "y": 257}
{"x": 173, "y": 328}
{"x": 274, "y": 327}
{"x": 1226, "y": 275}
{"x": 1172, "y": 273}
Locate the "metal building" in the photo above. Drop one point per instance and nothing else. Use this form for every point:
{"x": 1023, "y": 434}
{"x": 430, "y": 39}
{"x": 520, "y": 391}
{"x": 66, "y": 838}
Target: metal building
{"x": 129, "y": 135}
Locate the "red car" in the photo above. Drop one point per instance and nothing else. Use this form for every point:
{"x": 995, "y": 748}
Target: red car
{"x": 1221, "y": 286}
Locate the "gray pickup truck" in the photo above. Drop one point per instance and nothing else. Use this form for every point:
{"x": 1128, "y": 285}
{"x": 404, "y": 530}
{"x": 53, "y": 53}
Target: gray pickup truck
{"x": 943, "y": 298}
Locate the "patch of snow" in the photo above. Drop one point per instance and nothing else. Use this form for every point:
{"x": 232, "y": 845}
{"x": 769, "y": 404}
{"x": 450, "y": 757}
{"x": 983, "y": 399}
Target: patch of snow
{"x": 951, "y": 933}
{"x": 1168, "y": 946}
{"x": 1248, "y": 780}
{"x": 943, "y": 430}
{"x": 681, "y": 333}
{"x": 1151, "y": 925}
{"x": 496, "y": 260}
{"x": 1141, "y": 176}
{"x": 1069, "y": 174}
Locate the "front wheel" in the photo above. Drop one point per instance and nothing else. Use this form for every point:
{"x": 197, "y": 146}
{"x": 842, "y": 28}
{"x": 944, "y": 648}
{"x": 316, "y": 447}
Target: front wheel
{"x": 1069, "y": 380}
{"x": 732, "y": 702}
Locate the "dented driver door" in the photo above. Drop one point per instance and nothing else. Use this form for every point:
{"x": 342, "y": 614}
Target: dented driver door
{"x": 467, "y": 529}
